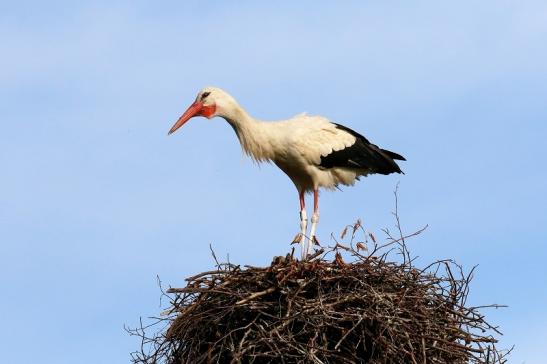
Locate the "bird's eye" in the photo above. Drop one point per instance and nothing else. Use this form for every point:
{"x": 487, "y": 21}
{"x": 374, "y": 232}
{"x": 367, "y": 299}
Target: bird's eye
{"x": 204, "y": 95}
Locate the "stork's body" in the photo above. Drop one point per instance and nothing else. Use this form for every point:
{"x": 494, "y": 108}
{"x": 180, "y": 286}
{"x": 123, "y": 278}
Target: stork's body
{"x": 311, "y": 150}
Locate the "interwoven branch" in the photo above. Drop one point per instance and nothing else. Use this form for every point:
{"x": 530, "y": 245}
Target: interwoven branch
{"x": 370, "y": 310}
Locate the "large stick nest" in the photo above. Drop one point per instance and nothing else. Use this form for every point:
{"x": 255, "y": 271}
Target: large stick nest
{"x": 325, "y": 310}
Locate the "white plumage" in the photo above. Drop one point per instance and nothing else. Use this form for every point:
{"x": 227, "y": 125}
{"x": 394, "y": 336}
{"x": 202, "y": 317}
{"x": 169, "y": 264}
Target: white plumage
{"x": 311, "y": 150}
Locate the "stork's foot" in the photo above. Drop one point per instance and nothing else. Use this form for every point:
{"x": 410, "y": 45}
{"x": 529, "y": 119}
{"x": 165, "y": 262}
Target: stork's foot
{"x": 312, "y": 242}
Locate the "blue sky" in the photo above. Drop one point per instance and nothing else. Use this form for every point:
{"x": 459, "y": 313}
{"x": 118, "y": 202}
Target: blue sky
{"x": 96, "y": 200}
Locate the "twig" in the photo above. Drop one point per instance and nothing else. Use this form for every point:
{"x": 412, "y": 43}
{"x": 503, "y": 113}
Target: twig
{"x": 256, "y": 295}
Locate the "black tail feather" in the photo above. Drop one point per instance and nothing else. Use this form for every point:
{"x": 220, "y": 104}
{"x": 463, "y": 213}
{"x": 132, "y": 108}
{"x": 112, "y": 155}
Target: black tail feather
{"x": 393, "y": 155}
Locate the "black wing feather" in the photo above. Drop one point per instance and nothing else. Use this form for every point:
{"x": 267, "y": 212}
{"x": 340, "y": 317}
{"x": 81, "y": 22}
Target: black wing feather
{"x": 363, "y": 155}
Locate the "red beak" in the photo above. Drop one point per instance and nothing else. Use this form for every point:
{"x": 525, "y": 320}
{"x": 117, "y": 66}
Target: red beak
{"x": 194, "y": 110}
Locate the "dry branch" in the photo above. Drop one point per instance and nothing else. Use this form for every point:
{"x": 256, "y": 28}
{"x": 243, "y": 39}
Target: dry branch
{"x": 366, "y": 310}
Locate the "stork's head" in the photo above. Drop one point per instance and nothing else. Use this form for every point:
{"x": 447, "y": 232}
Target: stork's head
{"x": 210, "y": 102}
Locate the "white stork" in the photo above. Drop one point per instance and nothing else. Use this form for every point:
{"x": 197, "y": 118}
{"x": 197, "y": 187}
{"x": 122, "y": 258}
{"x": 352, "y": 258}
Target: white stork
{"x": 311, "y": 150}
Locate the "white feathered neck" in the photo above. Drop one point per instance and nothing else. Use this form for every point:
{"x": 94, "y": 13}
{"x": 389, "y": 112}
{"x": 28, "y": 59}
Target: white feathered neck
{"x": 255, "y": 136}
